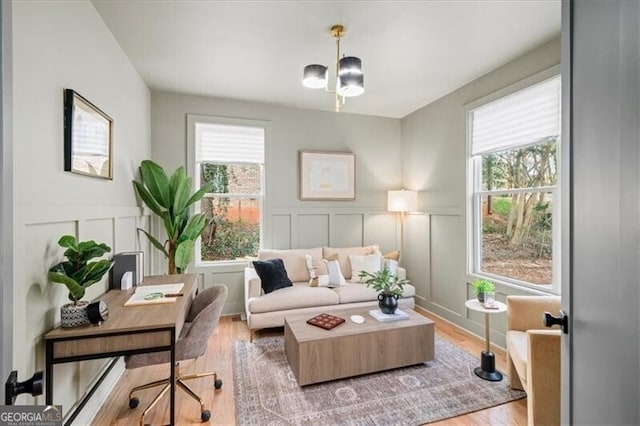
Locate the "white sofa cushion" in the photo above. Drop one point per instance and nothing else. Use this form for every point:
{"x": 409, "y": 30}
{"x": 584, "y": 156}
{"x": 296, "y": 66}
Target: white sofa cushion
{"x": 294, "y": 261}
{"x": 343, "y": 256}
{"x": 370, "y": 263}
{"x": 352, "y": 293}
{"x": 336, "y": 279}
{"x": 300, "y": 295}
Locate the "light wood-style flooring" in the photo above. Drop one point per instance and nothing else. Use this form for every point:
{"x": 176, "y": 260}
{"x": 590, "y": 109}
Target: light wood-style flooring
{"x": 115, "y": 410}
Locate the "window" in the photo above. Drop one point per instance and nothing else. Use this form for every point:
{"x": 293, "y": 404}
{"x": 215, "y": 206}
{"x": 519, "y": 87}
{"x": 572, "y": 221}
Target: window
{"x": 229, "y": 153}
{"x": 514, "y": 192}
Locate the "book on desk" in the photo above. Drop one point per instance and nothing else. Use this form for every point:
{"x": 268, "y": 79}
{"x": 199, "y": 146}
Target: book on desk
{"x": 152, "y": 294}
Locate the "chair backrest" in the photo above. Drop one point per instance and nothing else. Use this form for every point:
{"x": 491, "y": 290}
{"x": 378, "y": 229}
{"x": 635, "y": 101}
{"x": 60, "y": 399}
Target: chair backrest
{"x": 203, "y": 317}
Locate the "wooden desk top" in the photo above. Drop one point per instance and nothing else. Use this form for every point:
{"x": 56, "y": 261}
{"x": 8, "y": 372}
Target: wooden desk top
{"x": 140, "y": 317}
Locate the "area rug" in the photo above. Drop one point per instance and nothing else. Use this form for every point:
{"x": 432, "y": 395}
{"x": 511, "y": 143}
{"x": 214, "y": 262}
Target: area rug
{"x": 266, "y": 392}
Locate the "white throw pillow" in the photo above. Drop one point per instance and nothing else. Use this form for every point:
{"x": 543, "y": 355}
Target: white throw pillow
{"x": 336, "y": 279}
{"x": 309, "y": 263}
{"x": 369, "y": 263}
{"x": 391, "y": 264}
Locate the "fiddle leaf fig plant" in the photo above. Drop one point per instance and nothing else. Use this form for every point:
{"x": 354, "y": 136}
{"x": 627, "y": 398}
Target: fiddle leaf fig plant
{"x": 384, "y": 282}
{"x": 76, "y": 272}
{"x": 170, "y": 198}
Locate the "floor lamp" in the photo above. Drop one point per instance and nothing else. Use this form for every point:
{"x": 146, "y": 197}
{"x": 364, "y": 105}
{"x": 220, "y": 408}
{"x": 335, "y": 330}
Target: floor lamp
{"x": 401, "y": 202}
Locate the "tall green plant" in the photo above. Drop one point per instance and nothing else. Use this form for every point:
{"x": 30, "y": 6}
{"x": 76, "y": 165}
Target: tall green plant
{"x": 170, "y": 199}
{"x": 77, "y": 273}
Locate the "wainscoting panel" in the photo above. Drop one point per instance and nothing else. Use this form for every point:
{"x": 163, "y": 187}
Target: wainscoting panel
{"x": 235, "y": 284}
{"x": 415, "y": 255}
{"x": 447, "y": 289}
{"x": 312, "y": 230}
{"x": 347, "y": 230}
{"x": 125, "y": 234}
{"x": 381, "y": 229}
{"x": 281, "y": 231}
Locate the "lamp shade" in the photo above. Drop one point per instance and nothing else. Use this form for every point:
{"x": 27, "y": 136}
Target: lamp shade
{"x": 402, "y": 201}
{"x": 350, "y": 85}
{"x": 349, "y": 65}
{"x": 315, "y": 76}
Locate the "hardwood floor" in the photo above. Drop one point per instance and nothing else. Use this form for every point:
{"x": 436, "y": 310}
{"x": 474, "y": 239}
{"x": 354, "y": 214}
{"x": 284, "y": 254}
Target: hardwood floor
{"x": 115, "y": 410}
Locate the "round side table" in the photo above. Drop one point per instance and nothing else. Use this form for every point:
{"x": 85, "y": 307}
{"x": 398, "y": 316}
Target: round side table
{"x": 487, "y": 369}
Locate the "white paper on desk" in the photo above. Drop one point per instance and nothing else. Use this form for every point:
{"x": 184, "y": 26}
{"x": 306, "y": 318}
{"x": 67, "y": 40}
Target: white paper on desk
{"x": 139, "y": 296}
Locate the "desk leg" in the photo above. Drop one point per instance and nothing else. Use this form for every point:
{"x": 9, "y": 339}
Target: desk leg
{"x": 487, "y": 369}
{"x": 172, "y": 410}
{"x": 48, "y": 372}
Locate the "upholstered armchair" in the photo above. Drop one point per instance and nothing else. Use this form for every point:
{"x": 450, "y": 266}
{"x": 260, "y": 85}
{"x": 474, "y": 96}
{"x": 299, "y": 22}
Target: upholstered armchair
{"x": 533, "y": 356}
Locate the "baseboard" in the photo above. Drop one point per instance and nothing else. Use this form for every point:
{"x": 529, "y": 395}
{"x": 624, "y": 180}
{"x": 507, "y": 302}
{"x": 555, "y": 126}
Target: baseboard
{"x": 91, "y": 409}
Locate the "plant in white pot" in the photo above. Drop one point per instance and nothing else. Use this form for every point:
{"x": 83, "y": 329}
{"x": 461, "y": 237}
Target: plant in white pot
{"x": 77, "y": 273}
{"x": 388, "y": 285}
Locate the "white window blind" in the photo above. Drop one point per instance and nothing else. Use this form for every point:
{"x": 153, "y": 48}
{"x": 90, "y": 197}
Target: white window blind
{"x": 526, "y": 117}
{"x": 222, "y": 143}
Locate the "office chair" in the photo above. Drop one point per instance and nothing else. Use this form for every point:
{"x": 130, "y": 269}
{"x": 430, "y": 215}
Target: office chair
{"x": 199, "y": 324}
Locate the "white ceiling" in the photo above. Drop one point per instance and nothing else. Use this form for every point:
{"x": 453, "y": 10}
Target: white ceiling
{"x": 413, "y": 52}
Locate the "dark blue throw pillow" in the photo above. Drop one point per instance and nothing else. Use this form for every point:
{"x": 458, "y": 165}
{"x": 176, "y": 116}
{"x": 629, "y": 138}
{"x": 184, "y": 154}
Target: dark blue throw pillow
{"x": 272, "y": 274}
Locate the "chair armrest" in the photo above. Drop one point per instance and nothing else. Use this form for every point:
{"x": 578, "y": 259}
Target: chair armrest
{"x": 543, "y": 370}
{"x": 525, "y": 312}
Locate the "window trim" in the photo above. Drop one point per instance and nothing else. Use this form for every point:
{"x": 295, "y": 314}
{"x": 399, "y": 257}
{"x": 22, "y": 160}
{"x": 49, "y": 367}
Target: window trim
{"x": 473, "y": 222}
{"x": 192, "y": 120}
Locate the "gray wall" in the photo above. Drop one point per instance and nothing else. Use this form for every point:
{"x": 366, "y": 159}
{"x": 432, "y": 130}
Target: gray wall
{"x": 60, "y": 45}
{"x": 434, "y": 162}
{"x": 289, "y": 222}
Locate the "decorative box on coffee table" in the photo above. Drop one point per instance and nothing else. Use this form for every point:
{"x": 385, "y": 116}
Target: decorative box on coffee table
{"x": 317, "y": 355}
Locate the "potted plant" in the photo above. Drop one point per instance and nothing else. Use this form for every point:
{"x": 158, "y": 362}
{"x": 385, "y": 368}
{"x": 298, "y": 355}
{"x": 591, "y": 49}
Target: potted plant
{"x": 388, "y": 285}
{"x": 169, "y": 198}
{"x": 481, "y": 287}
{"x": 77, "y": 273}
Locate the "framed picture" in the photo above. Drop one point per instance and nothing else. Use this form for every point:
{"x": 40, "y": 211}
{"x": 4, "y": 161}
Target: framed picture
{"x": 327, "y": 175}
{"x": 87, "y": 137}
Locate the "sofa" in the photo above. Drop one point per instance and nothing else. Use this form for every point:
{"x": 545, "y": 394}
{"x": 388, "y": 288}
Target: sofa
{"x": 307, "y": 296}
{"x": 533, "y": 356}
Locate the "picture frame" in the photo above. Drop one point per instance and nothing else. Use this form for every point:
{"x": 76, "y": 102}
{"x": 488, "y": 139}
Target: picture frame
{"x": 327, "y": 175}
{"x": 88, "y": 134}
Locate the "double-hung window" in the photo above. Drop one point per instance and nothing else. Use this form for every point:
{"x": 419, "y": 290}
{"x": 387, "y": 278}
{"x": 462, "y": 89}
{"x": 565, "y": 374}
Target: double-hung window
{"x": 514, "y": 200}
{"x": 230, "y": 154}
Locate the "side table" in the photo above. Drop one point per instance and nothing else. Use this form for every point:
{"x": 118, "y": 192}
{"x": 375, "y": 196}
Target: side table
{"x": 487, "y": 369}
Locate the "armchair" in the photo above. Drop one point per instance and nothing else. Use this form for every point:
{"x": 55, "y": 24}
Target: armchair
{"x": 533, "y": 356}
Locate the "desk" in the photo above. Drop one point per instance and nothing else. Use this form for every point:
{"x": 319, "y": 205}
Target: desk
{"x": 487, "y": 369}
{"x": 128, "y": 330}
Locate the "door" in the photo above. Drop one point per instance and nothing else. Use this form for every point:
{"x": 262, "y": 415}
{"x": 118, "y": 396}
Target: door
{"x": 6, "y": 196}
{"x": 601, "y": 291}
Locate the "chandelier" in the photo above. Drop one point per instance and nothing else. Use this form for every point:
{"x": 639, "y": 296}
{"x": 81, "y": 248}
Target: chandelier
{"x": 349, "y": 77}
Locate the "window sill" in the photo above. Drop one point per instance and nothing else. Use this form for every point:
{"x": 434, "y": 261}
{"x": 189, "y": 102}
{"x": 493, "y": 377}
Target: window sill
{"x": 543, "y": 290}
{"x": 221, "y": 267}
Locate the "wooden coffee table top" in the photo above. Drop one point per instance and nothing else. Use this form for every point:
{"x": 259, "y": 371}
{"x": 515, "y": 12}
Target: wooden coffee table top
{"x": 304, "y": 332}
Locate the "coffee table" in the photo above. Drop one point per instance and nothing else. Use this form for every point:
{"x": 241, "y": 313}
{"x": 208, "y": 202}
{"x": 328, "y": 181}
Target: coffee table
{"x": 318, "y": 355}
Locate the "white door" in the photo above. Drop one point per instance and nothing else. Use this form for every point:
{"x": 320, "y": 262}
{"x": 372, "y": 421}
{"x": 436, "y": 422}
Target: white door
{"x": 601, "y": 273}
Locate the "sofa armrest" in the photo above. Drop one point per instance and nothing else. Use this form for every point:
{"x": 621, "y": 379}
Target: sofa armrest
{"x": 252, "y": 286}
{"x": 401, "y": 272}
{"x": 525, "y": 312}
{"x": 543, "y": 375}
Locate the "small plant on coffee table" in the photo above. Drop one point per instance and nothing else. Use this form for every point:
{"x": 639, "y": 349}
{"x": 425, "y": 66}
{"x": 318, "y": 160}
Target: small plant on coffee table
{"x": 388, "y": 285}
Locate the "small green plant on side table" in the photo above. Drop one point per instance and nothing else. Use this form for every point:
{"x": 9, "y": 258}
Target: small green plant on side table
{"x": 481, "y": 287}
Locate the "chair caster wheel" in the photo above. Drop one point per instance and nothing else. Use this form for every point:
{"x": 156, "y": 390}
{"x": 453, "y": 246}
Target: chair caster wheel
{"x": 205, "y": 416}
{"x": 133, "y": 403}
{"x": 217, "y": 384}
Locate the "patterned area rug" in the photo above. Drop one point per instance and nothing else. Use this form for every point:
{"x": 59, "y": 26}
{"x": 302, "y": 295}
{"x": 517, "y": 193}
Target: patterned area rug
{"x": 266, "y": 392}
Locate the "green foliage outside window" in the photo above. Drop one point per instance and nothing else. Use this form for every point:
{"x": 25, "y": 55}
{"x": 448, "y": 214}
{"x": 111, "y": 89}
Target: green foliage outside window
{"x": 235, "y": 231}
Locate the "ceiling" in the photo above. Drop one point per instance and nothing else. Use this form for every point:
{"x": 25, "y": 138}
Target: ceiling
{"x": 413, "y": 52}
